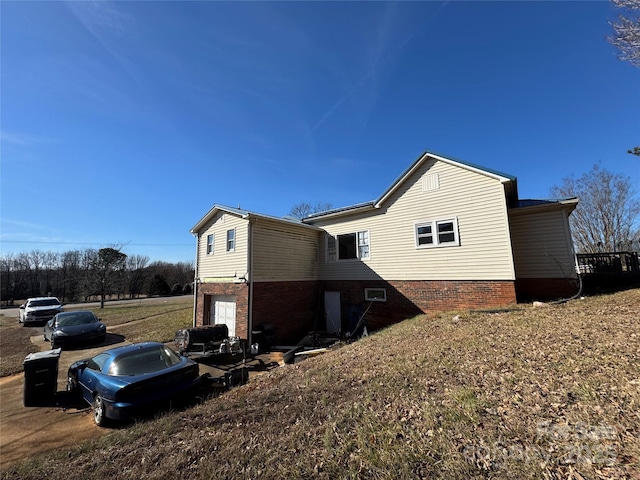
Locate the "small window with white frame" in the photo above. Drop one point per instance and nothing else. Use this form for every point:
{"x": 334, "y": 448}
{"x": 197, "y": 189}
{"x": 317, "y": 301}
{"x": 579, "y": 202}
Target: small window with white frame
{"x": 375, "y": 294}
{"x": 231, "y": 240}
{"x": 437, "y": 233}
{"x": 210, "y": 243}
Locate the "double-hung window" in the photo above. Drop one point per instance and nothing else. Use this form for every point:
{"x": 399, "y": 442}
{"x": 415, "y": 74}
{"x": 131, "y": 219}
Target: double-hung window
{"x": 210, "y": 243}
{"x": 231, "y": 240}
{"x": 363, "y": 244}
{"x": 348, "y": 246}
{"x": 437, "y": 233}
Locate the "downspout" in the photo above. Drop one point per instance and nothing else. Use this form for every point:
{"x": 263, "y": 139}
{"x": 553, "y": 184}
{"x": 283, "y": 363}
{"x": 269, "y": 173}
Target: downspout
{"x": 195, "y": 280}
{"x": 250, "y": 280}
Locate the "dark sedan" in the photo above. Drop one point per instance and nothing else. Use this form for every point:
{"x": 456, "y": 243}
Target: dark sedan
{"x": 72, "y": 328}
{"x": 125, "y": 381}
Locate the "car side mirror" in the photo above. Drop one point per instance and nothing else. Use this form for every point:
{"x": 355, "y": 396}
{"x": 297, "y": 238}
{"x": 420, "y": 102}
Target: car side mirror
{"x": 21, "y": 306}
{"x": 80, "y": 364}
{"x": 50, "y": 323}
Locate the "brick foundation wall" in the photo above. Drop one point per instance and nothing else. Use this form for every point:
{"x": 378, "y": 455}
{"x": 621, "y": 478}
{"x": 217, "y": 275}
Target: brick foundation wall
{"x": 406, "y": 299}
{"x": 296, "y": 308}
{"x": 291, "y": 307}
{"x": 530, "y": 289}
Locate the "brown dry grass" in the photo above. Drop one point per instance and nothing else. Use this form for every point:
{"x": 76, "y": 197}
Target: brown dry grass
{"x": 551, "y": 392}
{"x": 14, "y": 345}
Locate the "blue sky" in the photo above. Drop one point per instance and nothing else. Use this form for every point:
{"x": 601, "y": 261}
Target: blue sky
{"x": 123, "y": 123}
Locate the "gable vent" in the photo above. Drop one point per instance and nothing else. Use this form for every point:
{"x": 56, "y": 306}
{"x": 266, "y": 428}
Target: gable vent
{"x": 431, "y": 182}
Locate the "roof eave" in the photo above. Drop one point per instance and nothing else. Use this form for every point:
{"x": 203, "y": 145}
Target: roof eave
{"x": 245, "y": 214}
{"x": 209, "y": 215}
{"x": 339, "y": 212}
{"x": 567, "y": 204}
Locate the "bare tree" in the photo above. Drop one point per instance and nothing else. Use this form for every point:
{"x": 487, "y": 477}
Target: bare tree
{"x": 108, "y": 265}
{"x": 304, "y": 209}
{"x": 136, "y": 274}
{"x": 23, "y": 279}
{"x": 626, "y": 31}
{"x": 70, "y": 273}
{"x": 626, "y": 38}
{"x": 36, "y": 258}
{"x": 607, "y": 216}
{"x": 51, "y": 263}
{"x": 7, "y": 280}
{"x": 81, "y": 274}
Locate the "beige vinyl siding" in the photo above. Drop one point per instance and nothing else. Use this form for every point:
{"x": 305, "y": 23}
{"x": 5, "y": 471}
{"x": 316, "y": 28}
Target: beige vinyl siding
{"x": 477, "y": 202}
{"x": 541, "y": 244}
{"x": 284, "y": 253}
{"x": 223, "y": 264}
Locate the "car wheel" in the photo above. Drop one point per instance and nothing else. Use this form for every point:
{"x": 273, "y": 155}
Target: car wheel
{"x": 98, "y": 410}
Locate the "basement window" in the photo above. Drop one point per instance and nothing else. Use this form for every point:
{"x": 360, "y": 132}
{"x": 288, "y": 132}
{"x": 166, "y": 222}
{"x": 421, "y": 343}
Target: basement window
{"x": 375, "y": 294}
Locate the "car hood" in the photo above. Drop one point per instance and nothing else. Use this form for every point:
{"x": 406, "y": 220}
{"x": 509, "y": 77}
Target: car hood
{"x": 44, "y": 307}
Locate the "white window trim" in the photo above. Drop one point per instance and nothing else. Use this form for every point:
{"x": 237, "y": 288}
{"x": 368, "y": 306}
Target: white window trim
{"x": 234, "y": 240}
{"x": 213, "y": 243}
{"x": 330, "y": 257}
{"x": 434, "y": 232}
{"x": 369, "y": 298}
{"x": 368, "y": 244}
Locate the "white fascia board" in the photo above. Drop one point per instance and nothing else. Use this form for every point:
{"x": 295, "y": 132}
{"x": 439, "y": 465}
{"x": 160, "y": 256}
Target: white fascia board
{"x": 234, "y": 211}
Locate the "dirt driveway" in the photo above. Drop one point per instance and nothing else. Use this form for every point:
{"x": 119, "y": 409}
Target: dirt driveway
{"x": 27, "y": 430}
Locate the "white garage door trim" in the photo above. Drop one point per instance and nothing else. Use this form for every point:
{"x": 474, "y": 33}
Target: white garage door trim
{"x": 224, "y": 311}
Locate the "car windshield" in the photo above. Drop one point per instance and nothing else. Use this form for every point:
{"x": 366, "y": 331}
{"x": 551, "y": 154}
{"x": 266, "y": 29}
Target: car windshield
{"x": 71, "y": 319}
{"x": 48, "y": 302}
{"x": 145, "y": 360}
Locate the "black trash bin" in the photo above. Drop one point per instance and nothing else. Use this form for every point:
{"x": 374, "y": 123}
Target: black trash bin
{"x": 41, "y": 378}
{"x": 265, "y": 336}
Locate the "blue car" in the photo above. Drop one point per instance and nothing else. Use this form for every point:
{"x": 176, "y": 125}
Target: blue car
{"x": 73, "y": 328}
{"x": 122, "y": 382}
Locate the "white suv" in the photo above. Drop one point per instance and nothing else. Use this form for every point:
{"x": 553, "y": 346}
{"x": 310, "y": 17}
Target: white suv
{"x": 39, "y": 310}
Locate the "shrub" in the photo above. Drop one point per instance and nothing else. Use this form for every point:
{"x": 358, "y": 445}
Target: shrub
{"x": 159, "y": 286}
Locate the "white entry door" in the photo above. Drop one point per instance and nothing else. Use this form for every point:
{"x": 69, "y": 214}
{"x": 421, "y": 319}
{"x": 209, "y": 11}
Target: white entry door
{"x": 224, "y": 311}
{"x": 332, "y": 311}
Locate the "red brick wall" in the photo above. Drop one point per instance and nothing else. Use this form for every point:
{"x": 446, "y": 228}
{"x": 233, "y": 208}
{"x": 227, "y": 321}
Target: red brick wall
{"x": 406, "y": 299}
{"x": 241, "y": 292}
{"x": 295, "y": 308}
{"x": 529, "y": 289}
{"x": 291, "y": 307}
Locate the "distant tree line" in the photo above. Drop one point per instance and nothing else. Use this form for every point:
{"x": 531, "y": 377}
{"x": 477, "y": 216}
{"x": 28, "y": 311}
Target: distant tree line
{"x": 82, "y": 275}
